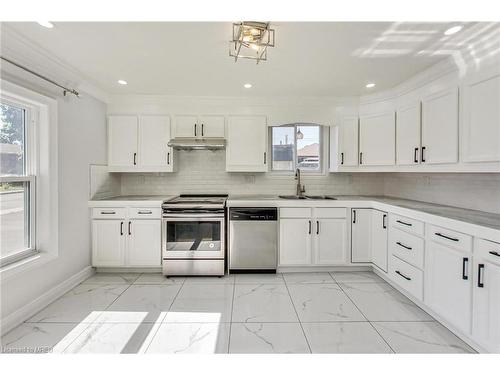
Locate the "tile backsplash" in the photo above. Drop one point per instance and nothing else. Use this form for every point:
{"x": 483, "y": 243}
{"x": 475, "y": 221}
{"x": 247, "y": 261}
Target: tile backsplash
{"x": 102, "y": 183}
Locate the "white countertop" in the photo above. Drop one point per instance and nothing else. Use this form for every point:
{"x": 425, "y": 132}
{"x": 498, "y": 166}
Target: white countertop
{"x": 131, "y": 201}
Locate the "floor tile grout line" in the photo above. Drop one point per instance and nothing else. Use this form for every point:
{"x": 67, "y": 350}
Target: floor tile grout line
{"x": 298, "y": 318}
{"x": 231, "y": 317}
{"x": 369, "y": 322}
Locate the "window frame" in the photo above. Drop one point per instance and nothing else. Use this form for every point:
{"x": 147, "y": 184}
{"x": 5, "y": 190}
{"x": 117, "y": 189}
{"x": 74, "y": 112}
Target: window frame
{"x": 321, "y": 170}
{"x": 28, "y": 178}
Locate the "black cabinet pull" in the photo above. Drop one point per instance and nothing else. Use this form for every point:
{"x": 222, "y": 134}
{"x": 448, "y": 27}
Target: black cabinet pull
{"x": 415, "y": 155}
{"x": 129, "y": 231}
{"x": 144, "y": 212}
{"x": 310, "y": 226}
{"x": 265, "y": 157}
{"x": 465, "y": 263}
{"x": 108, "y": 212}
{"x": 406, "y": 247}
{"x": 480, "y": 273}
{"x": 403, "y": 276}
{"x": 195, "y": 130}
{"x": 448, "y": 238}
{"x": 168, "y": 158}
{"x": 317, "y": 227}
{"x": 121, "y": 228}
{"x": 495, "y": 253}
{"x": 354, "y": 216}
{"x": 202, "y": 130}
{"x": 342, "y": 158}
{"x": 360, "y": 158}
{"x": 402, "y": 222}
{"x": 135, "y": 158}
{"x": 422, "y": 157}
{"x": 383, "y": 221}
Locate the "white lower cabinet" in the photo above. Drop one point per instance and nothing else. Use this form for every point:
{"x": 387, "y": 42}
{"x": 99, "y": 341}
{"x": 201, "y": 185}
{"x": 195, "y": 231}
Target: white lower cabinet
{"x": 379, "y": 239}
{"x": 144, "y": 242}
{"x": 108, "y": 243}
{"x": 319, "y": 238}
{"x": 361, "y": 219}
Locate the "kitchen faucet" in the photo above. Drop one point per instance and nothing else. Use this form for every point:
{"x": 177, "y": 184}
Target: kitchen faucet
{"x": 300, "y": 188}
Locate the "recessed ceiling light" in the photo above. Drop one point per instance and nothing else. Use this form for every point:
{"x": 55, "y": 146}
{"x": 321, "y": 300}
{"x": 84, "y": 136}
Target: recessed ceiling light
{"x": 370, "y": 85}
{"x": 46, "y": 24}
{"x": 122, "y": 82}
{"x": 247, "y": 85}
{"x": 453, "y": 30}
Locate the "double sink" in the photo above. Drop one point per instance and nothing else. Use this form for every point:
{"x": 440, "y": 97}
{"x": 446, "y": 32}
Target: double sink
{"x": 313, "y": 197}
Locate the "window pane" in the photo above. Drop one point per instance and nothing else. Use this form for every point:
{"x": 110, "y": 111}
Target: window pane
{"x": 308, "y": 147}
{"x": 12, "y": 140}
{"x": 283, "y": 148}
{"x": 14, "y": 219}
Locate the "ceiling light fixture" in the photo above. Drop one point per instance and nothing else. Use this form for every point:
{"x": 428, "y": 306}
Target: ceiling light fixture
{"x": 46, "y": 24}
{"x": 250, "y": 40}
{"x": 122, "y": 82}
{"x": 247, "y": 85}
{"x": 370, "y": 85}
{"x": 453, "y": 30}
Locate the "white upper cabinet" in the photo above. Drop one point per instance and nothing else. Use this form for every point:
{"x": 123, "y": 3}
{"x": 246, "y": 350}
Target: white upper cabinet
{"x": 246, "y": 149}
{"x": 480, "y": 137}
{"x": 440, "y": 127}
{"x": 377, "y": 137}
{"x": 348, "y": 141}
{"x": 139, "y": 144}
{"x": 408, "y": 134}
{"x": 203, "y": 126}
{"x": 122, "y": 142}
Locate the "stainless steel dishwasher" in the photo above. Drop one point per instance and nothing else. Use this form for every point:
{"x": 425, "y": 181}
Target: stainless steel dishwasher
{"x": 253, "y": 239}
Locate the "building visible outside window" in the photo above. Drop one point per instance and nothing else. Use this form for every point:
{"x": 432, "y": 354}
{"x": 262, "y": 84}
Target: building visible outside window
{"x": 17, "y": 180}
{"x": 296, "y": 146}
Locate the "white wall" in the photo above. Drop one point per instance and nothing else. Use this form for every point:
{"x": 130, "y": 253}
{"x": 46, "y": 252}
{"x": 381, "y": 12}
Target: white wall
{"x": 82, "y": 141}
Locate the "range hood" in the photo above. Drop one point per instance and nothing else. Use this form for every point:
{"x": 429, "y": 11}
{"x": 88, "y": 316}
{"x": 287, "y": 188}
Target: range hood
{"x": 212, "y": 144}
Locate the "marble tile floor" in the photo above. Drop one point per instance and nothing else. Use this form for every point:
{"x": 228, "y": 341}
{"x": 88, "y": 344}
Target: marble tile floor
{"x": 336, "y": 312}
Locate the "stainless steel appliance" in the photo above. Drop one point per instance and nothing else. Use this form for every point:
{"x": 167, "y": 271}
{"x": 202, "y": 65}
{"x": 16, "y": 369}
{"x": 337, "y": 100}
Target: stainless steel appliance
{"x": 253, "y": 239}
{"x": 193, "y": 235}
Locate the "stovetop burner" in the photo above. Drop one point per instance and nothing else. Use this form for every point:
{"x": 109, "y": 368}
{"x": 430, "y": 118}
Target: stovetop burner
{"x": 196, "y": 201}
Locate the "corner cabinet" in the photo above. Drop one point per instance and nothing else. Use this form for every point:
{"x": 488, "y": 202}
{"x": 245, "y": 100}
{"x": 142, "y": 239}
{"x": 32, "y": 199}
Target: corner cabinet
{"x": 246, "y": 149}
{"x": 139, "y": 144}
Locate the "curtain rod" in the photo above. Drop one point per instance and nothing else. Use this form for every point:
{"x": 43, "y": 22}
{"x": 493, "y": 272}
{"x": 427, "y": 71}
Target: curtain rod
{"x": 65, "y": 89}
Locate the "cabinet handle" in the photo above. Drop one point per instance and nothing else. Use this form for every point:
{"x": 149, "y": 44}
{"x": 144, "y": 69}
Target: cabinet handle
{"x": 202, "y": 130}
{"x": 108, "y": 212}
{"x": 135, "y": 158}
{"x": 383, "y": 221}
{"x": 310, "y": 226}
{"x": 415, "y": 155}
{"x": 422, "y": 157}
{"x": 265, "y": 157}
{"x": 495, "y": 253}
{"x": 448, "y": 238}
{"x": 168, "y": 158}
{"x": 121, "y": 228}
{"x": 480, "y": 274}
{"x": 360, "y": 158}
{"x": 406, "y": 247}
{"x": 465, "y": 264}
{"x": 342, "y": 158}
{"x": 317, "y": 226}
{"x": 129, "y": 230}
{"x": 354, "y": 216}
{"x": 403, "y": 276}
{"x": 402, "y": 222}
{"x": 195, "y": 130}
{"x": 145, "y": 212}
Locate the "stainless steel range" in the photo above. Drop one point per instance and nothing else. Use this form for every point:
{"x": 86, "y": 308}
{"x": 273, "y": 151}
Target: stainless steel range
{"x": 193, "y": 235}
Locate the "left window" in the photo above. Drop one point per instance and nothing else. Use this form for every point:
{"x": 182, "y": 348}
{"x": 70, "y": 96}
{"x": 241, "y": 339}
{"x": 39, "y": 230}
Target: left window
{"x": 17, "y": 181}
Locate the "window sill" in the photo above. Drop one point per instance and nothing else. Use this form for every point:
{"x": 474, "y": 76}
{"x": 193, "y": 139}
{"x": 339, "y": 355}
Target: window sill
{"x": 11, "y": 270}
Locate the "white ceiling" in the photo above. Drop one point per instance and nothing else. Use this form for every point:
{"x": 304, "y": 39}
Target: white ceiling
{"x": 187, "y": 58}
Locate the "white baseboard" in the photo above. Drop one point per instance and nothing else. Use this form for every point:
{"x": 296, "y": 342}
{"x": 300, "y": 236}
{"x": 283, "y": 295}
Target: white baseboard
{"x": 27, "y": 311}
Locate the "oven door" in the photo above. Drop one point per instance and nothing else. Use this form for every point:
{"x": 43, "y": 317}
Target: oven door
{"x": 193, "y": 237}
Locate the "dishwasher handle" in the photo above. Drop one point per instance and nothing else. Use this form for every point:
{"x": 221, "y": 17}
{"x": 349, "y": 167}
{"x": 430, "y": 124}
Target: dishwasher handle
{"x": 253, "y": 214}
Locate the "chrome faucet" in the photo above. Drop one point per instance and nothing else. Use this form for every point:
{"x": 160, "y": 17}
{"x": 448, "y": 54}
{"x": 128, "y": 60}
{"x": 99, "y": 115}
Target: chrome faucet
{"x": 300, "y": 188}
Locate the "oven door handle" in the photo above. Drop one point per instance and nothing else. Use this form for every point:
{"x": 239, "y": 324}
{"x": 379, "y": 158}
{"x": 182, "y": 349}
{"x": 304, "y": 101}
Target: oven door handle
{"x": 192, "y": 216}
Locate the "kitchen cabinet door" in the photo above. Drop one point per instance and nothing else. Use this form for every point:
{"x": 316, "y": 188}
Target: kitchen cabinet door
{"x": 186, "y": 126}
{"x": 122, "y": 142}
{"x": 154, "y": 135}
{"x": 108, "y": 243}
{"x": 448, "y": 288}
{"x": 144, "y": 243}
{"x": 361, "y": 235}
{"x": 295, "y": 242}
{"x": 486, "y": 305}
{"x": 440, "y": 127}
{"x": 212, "y": 126}
{"x": 246, "y": 149}
{"x": 408, "y": 134}
{"x": 377, "y": 139}
{"x": 330, "y": 245}
{"x": 481, "y": 117}
{"x": 379, "y": 239}
{"x": 348, "y": 141}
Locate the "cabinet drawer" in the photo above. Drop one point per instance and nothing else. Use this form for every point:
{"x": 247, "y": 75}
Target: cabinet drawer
{"x": 487, "y": 250}
{"x": 144, "y": 213}
{"x": 406, "y": 276}
{"x": 109, "y": 213}
{"x": 406, "y": 246}
{"x": 448, "y": 237}
{"x": 332, "y": 213}
{"x": 406, "y": 224}
{"x": 292, "y": 212}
